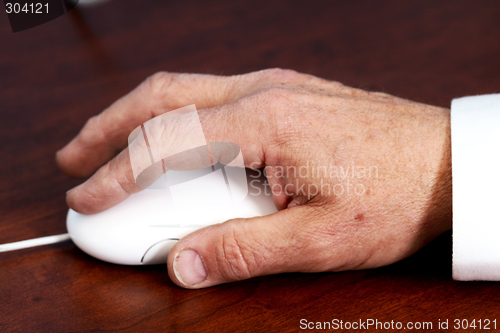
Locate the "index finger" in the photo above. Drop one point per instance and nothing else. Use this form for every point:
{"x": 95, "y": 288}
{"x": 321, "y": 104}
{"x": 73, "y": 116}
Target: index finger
{"x": 104, "y": 135}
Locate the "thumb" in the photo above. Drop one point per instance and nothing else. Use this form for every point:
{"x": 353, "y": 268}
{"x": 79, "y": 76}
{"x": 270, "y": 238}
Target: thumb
{"x": 240, "y": 249}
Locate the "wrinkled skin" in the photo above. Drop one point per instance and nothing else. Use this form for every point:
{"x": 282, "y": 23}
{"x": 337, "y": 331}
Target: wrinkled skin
{"x": 388, "y": 163}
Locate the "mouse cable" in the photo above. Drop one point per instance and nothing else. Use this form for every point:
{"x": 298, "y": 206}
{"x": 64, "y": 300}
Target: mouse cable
{"x": 34, "y": 242}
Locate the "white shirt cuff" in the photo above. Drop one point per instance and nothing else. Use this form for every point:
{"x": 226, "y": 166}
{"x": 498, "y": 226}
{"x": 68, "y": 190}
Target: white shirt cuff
{"x": 475, "y": 142}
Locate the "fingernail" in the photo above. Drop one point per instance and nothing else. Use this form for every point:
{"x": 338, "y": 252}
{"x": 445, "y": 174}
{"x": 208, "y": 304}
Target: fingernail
{"x": 189, "y": 269}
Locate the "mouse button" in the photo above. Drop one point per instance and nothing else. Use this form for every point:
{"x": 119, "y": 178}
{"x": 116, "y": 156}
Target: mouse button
{"x": 206, "y": 191}
{"x": 158, "y": 252}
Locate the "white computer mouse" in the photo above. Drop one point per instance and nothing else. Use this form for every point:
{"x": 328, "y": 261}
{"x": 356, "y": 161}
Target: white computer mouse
{"x": 142, "y": 229}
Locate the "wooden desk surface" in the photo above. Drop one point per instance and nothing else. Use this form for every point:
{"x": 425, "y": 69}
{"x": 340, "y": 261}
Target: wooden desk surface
{"x": 55, "y": 76}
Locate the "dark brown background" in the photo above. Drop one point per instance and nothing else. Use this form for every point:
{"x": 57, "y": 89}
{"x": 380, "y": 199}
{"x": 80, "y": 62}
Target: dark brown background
{"x": 55, "y": 76}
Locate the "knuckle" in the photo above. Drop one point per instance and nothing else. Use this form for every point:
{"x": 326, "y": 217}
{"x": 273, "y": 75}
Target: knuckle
{"x": 275, "y": 96}
{"x": 95, "y": 131}
{"x": 272, "y": 103}
{"x": 282, "y": 75}
{"x": 269, "y": 103}
{"x": 273, "y": 76}
{"x": 156, "y": 84}
{"x": 126, "y": 182}
{"x": 92, "y": 122}
{"x": 92, "y": 130}
{"x": 236, "y": 262}
{"x": 337, "y": 84}
{"x": 381, "y": 95}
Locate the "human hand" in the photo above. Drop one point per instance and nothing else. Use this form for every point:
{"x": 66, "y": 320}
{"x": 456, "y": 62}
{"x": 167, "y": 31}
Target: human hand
{"x": 385, "y": 160}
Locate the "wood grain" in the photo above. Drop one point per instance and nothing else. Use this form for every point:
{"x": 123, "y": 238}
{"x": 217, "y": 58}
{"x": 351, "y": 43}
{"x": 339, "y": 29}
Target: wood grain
{"x": 55, "y": 76}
